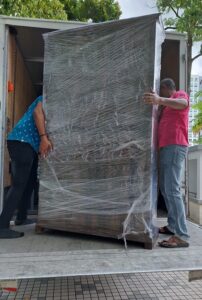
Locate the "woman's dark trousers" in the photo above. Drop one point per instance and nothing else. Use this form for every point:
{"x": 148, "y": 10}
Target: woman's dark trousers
{"x": 24, "y": 161}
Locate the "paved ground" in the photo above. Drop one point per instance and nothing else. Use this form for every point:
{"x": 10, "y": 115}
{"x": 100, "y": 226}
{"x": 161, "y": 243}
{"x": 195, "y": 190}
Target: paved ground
{"x": 142, "y": 286}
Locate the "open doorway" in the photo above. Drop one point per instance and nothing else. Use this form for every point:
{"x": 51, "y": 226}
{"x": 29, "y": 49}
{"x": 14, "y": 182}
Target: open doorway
{"x": 25, "y": 82}
{"x": 23, "y": 58}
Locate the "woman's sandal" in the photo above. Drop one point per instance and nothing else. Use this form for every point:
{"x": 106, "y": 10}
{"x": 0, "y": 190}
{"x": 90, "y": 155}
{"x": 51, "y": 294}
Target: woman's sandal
{"x": 165, "y": 230}
{"x": 173, "y": 242}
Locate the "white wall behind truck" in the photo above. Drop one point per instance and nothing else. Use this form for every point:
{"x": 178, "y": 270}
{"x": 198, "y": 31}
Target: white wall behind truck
{"x": 195, "y": 180}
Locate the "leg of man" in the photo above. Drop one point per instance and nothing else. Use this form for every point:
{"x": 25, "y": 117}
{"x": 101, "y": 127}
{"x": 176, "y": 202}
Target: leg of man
{"x": 26, "y": 198}
{"x": 164, "y": 163}
{"x": 173, "y": 160}
{"x": 22, "y": 156}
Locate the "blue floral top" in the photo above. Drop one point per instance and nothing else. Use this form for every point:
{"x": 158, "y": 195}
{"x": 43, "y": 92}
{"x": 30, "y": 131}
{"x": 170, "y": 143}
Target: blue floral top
{"x": 25, "y": 130}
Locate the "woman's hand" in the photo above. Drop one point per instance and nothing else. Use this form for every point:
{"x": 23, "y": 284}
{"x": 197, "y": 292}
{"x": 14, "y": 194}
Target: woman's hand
{"x": 45, "y": 146}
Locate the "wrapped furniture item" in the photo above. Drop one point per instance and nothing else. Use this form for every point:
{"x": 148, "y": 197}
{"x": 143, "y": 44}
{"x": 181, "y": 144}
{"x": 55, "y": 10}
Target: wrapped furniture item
{"x": 101, "y": 177}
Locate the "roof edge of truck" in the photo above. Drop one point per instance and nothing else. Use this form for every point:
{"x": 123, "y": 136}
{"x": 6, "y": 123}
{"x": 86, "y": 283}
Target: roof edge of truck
{"x": 30, "y": 22}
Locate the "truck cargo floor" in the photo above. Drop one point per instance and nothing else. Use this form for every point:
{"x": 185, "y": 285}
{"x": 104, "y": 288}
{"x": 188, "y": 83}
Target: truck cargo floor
{"x": 56, "y": 254}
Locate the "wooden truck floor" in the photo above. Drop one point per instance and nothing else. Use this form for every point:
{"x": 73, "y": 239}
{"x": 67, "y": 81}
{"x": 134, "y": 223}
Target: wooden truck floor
{"x": 56, "y": 254}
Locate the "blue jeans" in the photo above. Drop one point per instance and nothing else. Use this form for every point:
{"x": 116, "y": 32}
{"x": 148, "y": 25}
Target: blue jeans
{"x": 172, "y": 158}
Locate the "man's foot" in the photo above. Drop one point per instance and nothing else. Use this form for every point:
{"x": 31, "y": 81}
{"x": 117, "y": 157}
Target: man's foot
{"x": 173, "y": 242}
{"x": 165, "y": 230}
{"x": 10, "y": 234}
{"x": 24, "y": 222}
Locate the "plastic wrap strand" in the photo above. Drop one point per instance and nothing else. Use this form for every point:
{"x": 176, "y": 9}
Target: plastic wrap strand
{"x": 101, "y": 177}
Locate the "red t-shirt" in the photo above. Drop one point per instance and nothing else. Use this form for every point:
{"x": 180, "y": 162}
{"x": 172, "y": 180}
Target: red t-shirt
{"x": 173, "y": 125}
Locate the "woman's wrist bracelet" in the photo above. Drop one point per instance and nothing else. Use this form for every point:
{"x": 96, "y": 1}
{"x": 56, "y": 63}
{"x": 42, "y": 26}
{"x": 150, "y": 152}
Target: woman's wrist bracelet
{"x": 43, "y": 134}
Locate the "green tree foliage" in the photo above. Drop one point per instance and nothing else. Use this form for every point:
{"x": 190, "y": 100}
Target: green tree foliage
{"x": 78, "y": 10}
{"x": 47, "y": 9}
{"x": 187, "y": 18}
{"x": 97, "y": 10}
{"x": 197, "y": 126}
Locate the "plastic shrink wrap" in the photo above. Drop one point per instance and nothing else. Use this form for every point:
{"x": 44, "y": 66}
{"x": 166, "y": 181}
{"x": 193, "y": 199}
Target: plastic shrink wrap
{"x": 101, "y": 178}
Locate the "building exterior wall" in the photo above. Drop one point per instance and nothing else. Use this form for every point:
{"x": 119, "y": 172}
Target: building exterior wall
{"x": 196, "y": 86}
{"x": 194, "y": 183}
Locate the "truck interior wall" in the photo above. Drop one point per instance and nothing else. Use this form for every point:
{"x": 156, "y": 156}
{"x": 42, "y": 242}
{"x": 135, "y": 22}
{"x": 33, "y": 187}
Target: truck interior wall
{"x": 170, "y": 61}
{"x": 20, "y": 98}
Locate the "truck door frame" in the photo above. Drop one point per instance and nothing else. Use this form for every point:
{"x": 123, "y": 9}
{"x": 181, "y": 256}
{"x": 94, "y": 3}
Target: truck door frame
{"x": 3, "y": 92}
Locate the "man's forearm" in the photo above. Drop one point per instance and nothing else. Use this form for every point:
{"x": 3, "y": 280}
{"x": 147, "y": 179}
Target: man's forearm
{"x": 152, "y": 98}
{"x": 173, "y": 103}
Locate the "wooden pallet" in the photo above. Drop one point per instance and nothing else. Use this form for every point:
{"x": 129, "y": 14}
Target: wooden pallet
{"x": 97, "y": 225}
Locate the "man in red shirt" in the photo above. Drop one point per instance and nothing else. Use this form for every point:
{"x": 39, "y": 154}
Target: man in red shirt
{"x": 173, "y": 144}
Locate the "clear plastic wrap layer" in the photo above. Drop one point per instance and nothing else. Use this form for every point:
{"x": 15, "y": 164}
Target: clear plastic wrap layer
{"x": 101, "y": 177}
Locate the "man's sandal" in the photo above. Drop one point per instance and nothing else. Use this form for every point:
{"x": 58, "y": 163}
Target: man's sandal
{"x": 173, "y": 242}
{"x": 165, "y": 230}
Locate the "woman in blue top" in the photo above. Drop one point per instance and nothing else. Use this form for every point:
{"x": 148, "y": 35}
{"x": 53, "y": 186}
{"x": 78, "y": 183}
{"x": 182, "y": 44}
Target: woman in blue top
{"x": 27, "y": 139}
